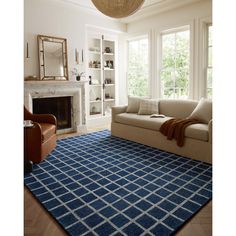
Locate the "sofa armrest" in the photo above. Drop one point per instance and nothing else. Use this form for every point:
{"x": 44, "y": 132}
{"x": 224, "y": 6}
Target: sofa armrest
{"x": 210, "y": 130}
{"x": 117, "y": 110}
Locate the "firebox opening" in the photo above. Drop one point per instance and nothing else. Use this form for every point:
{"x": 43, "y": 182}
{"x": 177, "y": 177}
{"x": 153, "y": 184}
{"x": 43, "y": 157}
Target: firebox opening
{"x": 60, "y": 107}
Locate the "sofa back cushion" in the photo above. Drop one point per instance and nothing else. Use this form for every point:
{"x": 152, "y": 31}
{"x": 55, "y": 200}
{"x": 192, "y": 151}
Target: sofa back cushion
{"x": 148, "y": 107}
{"x": 133, "y": 104}
{"x": 203, "y": 111}
{"x": 176, "y": 108}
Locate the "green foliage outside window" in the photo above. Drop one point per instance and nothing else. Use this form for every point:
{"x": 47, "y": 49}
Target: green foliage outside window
{"x": 138, "y": 68}
{"x": 175, "y": 65}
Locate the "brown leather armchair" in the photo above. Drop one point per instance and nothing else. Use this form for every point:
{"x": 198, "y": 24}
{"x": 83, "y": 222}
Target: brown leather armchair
{"x": 39, "y": 140}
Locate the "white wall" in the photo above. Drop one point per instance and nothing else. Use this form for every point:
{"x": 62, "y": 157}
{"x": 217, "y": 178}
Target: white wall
{"x": 56, "y": 18}
{"x": 193, "y": 15}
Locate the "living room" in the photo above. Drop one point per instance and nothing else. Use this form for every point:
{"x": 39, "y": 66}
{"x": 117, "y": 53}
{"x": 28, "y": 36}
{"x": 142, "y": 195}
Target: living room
{"x": 127, "y": 148}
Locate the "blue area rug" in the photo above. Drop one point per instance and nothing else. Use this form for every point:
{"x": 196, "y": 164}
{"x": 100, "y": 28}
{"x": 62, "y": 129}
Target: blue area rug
{"x": 97, "y": 184}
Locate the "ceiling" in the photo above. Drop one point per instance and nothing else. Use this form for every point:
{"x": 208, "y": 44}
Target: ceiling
{"x": 149, "y": 8}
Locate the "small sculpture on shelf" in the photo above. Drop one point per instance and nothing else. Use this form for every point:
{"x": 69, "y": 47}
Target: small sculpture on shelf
{"x": 96, "y": 64}
{"x": 108, "y": 81}
{"x": 94, "y": 110}
{"x": 108, "y": 64}
{"x": 107, "y": 96}
{"x": 108, "y": 50}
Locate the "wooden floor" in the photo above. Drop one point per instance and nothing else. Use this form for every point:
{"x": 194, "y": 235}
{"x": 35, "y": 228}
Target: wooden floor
{"x": 38, "y": 222}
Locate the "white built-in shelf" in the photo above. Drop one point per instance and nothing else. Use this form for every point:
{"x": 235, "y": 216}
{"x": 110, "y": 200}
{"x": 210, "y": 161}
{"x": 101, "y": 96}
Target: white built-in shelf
{"x": 105, "y": 68}
{"x": 93, "y": 68}
{"x": 109, "y": 100}
{"x": 95, "y": 115}
{"x": 95, "y": 101}
{"x": 94, "y": 52}
{"x": 95, "y": 85}
{"x": 108, "y": 54}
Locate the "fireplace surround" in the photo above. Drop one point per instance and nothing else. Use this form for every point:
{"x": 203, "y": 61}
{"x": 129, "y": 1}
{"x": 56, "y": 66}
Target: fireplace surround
{"x": 77, "y": 91}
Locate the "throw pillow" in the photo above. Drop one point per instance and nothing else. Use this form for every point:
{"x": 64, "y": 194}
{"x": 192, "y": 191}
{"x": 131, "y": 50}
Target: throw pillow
{"x": 203, "y": 111}
{"x": 133, "y": 104}
{"x": 148, "y": 107}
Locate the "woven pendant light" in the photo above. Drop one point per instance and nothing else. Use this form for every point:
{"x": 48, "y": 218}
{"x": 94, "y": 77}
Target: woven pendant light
{"x": 118, "y": 8}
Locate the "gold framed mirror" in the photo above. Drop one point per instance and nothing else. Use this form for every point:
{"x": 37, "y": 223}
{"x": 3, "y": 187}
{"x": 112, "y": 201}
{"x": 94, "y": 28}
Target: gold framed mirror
{"x": 53, "y": 62}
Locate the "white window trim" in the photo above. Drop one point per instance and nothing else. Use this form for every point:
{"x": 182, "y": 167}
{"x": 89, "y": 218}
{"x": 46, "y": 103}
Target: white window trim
{"x": 190, "y": 27}
{"x": 175, "y": 30}
{"x": 139, "y": 36}
{"x": 203, "y": 39}
{"x": 207, "y": 58}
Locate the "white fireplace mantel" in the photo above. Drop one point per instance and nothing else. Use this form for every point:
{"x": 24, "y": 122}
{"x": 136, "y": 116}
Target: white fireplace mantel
{"x": 77, "y": 90}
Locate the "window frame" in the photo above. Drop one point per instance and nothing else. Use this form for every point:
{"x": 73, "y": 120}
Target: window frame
{"x": 175, "y": 30}
{"x": 136, "y": 38}
{"x": 207, "y": 67}
{"x": 203, "y": 57}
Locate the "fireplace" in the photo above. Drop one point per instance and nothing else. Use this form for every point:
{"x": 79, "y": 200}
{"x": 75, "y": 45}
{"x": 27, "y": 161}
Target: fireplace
{"x": 74, "y": 107}
{"x": 60, "y": 107}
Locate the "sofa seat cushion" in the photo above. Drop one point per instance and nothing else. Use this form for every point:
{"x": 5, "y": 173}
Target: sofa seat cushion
{"x": 143, "y": 121}
{"x": 47, "y": 130}
{"x": 195, "y": 131}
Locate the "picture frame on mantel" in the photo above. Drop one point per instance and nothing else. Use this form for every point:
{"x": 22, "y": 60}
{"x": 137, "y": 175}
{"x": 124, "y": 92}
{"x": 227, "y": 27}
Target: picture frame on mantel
{"x": 53, "y": 58}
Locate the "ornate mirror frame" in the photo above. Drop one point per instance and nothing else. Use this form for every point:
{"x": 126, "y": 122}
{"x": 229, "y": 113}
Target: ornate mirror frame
{"x": 43, "y": 40}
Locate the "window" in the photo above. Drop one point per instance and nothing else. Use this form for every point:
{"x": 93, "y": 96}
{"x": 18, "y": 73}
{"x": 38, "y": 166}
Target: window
{"x": 175, "y": 64}
{"x": 138, "y": 67}
{"x": 209, "y": 61}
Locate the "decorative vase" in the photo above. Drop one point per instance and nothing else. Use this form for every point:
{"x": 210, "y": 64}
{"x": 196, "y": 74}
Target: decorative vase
{"x": 107, "y": 50}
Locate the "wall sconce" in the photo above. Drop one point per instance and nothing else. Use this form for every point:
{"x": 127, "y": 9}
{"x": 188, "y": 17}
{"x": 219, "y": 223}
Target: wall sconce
{"x": 76, "y": 56}
{"x": 77, "y": 59}
{"x": 82, "y": 56}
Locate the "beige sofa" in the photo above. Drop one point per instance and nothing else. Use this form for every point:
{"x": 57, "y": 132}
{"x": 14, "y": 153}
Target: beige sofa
{"x": 145, "y": 130}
